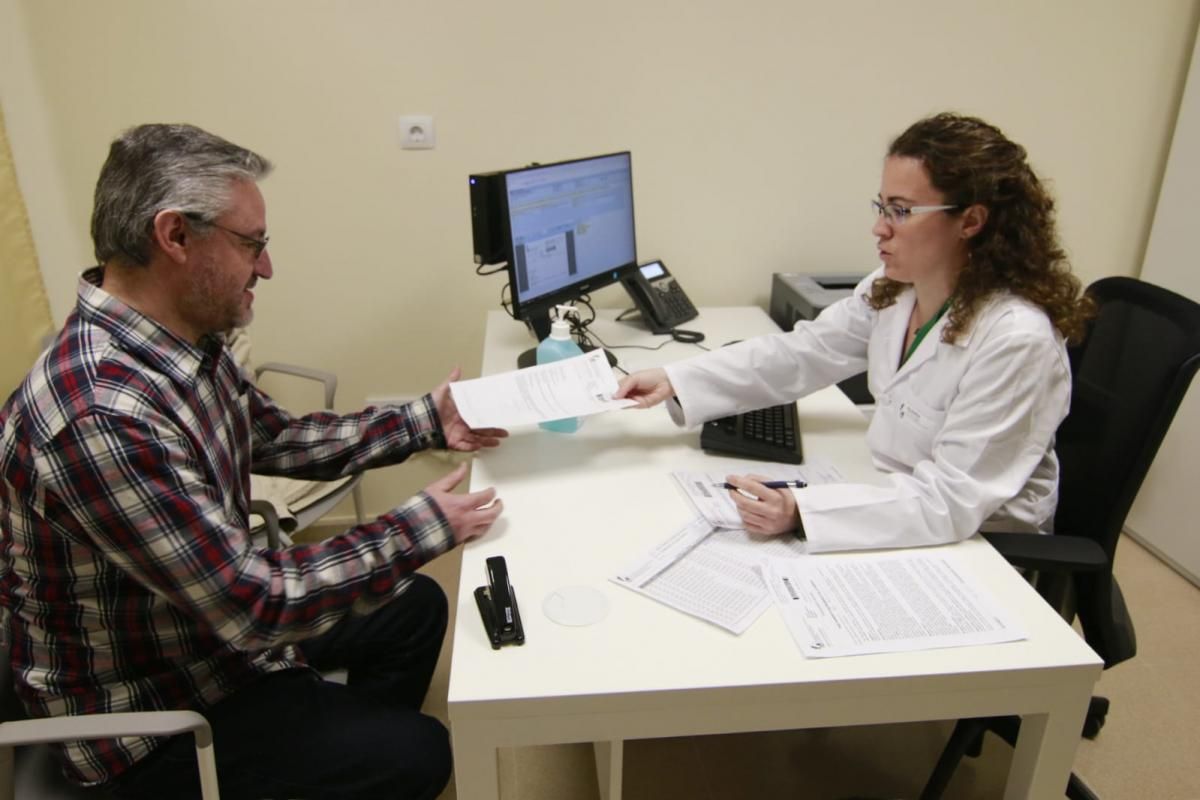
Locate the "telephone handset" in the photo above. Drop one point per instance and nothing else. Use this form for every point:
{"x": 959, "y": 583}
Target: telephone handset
{"x": 658, "y": 296}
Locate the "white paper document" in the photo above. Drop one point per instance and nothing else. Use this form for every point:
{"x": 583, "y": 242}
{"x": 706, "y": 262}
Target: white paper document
{"x": 573, "y": 387}
{"x": 704, "y": 581}
{"x": 752, "y": 548}
{"x": 713, "y": 502}
{"x": 709, "y": 573}
{"x": 858, "y": 603}
{"x": 638, "y": 573}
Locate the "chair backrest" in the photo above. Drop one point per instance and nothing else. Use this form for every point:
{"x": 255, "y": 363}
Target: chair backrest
{"x": 1128, "y": 378}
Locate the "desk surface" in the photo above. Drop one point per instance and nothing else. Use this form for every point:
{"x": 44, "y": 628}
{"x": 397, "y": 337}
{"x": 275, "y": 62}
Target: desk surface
{"x": 579, "y": 506}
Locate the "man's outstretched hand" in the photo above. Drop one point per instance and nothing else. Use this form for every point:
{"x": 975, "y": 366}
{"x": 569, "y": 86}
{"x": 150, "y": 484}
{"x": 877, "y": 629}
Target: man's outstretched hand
{"x": 471, "y": 514}
{"x": 460, "y": 436}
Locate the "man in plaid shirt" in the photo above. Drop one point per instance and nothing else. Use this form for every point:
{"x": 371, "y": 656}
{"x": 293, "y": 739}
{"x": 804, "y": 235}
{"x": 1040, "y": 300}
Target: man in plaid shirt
{"x": 127, "y": 575}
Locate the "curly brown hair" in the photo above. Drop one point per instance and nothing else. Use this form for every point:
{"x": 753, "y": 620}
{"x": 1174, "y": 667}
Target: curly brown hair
{"x": 971, "y": 162}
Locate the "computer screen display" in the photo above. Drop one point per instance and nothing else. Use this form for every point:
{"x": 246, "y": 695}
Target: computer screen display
{"x": 569, "y": 230}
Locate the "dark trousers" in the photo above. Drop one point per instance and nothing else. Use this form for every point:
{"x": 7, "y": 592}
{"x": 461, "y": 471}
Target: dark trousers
{"x": 293, "y": 736}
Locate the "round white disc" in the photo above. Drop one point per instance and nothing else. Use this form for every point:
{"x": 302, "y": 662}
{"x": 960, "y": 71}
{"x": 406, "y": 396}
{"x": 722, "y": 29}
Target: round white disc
{"x": 575, "y": 606}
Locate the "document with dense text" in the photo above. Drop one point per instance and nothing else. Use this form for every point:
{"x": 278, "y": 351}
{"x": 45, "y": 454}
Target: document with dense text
{"x": 713, "y": 502}
{"x": 711, "y": 574}
{"x": 640, "y": 572}
{"x": 705, "y": 581}
{"x": 573, "y": 387}
{"x": 858, "y": 603}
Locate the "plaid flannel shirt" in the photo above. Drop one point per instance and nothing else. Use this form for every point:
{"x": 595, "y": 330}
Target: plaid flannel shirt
{"x": 126, "y": 571}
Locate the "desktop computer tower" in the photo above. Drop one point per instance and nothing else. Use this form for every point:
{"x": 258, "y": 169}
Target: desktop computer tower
{"x": 487, "y": 217}
{"x": 796, "y": 296}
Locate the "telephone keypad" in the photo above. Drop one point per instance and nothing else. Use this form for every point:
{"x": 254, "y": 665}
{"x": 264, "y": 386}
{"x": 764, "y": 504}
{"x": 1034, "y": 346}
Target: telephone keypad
{"x": 678, "y": 304}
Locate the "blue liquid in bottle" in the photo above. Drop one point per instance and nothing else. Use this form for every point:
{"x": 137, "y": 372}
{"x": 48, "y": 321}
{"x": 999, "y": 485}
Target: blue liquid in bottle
{"x": 555, "y": 347}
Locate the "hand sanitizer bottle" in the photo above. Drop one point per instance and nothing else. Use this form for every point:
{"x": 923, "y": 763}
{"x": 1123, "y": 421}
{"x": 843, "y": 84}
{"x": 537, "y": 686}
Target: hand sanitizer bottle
{"x": 555, "y": 347}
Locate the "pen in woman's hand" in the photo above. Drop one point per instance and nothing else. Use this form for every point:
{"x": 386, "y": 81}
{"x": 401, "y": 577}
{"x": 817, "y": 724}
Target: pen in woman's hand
{"x": 770, "y": 485}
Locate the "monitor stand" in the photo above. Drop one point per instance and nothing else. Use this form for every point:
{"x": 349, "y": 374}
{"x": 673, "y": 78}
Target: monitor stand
{"x": 529, "y": 357}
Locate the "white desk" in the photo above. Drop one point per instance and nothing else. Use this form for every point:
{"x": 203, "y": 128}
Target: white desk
{"x": 577, "y": 506}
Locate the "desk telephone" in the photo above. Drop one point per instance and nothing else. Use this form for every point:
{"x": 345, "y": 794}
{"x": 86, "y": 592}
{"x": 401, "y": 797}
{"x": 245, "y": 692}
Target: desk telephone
{"x": 658, "y": 296}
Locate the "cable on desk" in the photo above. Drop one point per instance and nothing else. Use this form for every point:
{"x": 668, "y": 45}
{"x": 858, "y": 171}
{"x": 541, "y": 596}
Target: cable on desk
{"x": 677, "y": 334}
{"x": 593, "y": 336}
{"x": 579, "y": 325}
{"x": 499, "y": 267}
{"x": 506, "y": 302}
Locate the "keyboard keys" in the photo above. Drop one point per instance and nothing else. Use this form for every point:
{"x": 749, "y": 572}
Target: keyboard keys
{"x": 771, "y": 434}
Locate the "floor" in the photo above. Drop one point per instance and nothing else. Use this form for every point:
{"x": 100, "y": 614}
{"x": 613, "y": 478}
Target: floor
{"x": 1146, "y": 750}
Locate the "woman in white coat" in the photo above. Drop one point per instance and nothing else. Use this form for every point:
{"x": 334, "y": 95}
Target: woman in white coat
{"x": 961, "y": 332}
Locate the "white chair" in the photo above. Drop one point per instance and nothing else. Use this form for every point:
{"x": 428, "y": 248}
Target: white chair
{"x": 29, "y": 771}
{"x": 288, "y": 506}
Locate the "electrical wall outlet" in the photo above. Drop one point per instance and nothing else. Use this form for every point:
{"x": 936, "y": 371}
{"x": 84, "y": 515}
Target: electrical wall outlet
{"x": 417, "y": 132}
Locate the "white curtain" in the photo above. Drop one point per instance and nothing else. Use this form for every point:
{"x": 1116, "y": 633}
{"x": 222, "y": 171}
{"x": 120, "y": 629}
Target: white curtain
{"x": 24, "y": 310}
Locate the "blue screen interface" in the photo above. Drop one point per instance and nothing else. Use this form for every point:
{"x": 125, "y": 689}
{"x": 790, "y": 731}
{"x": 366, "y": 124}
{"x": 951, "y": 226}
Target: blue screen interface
{"x": 570, "y": 222}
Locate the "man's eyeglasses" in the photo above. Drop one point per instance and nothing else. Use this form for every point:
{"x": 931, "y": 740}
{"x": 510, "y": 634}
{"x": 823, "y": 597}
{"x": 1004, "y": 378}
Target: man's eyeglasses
{"x": 897, "y": 214}
{"x": 257, "y": 245}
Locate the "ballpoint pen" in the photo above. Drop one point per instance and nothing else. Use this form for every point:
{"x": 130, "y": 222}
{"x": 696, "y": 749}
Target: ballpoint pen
{"x": 770, "y": 485}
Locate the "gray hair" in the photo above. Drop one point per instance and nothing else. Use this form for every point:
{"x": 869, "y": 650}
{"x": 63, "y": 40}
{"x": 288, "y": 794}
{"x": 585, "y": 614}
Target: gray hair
{"x": 151, "y": 168}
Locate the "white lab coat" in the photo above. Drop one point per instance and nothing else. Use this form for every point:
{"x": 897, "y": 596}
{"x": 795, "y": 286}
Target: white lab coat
{"x": 963, "y": 431}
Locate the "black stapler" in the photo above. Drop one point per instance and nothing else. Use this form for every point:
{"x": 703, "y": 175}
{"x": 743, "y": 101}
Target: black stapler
{"x": 498, "y": 606}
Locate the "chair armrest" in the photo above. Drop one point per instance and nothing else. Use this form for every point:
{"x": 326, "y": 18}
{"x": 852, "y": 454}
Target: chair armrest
{"x": 270, "y": 520}
{"x": 1049, "y": 553}
{"x": 129, "y": 723}
{"x": 318, "y": 375}
{"x": 105, "y": 726}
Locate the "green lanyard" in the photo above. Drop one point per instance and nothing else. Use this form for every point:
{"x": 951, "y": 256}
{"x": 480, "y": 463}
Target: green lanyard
{"x": 924, "y": 329}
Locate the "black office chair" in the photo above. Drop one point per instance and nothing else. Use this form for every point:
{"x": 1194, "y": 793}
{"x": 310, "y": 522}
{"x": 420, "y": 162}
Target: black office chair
{"x": 1128, "y": 379}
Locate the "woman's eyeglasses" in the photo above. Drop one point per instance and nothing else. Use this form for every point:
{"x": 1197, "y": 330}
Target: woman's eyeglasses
{"x": 897, "y": 214}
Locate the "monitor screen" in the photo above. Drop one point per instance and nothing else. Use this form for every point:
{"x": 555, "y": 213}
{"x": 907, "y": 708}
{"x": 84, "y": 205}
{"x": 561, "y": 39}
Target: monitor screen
{"x": 568, "y": 231}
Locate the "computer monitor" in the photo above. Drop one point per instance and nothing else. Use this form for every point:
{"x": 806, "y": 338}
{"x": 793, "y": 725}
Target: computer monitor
{"x": 565, "y": 229}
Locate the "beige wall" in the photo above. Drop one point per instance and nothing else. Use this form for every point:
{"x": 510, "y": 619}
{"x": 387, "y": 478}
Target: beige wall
{"x": 1168, "y": 505}
{"x": 756, "y": 129}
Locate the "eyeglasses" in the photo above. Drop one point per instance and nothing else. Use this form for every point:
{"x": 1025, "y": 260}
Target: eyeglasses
{"x": 257, "y": 245}
{"x": 897, "y": 214}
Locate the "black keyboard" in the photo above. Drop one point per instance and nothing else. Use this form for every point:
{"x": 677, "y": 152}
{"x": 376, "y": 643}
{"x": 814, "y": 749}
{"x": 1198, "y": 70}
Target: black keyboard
{"x": 770, "y": 434}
